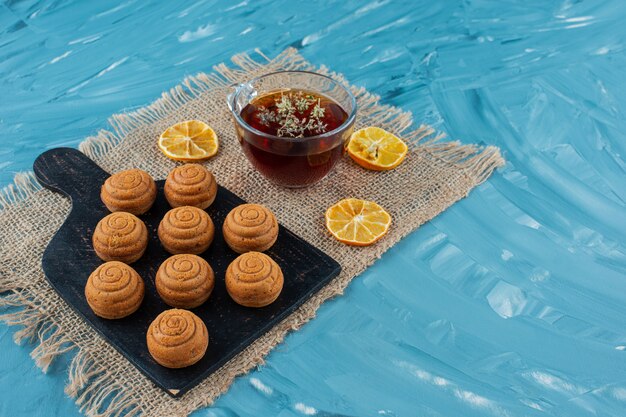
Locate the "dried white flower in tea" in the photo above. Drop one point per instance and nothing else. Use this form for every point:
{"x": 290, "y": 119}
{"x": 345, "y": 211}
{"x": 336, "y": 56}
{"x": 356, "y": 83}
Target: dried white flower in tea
{"x": 295, "y": 114}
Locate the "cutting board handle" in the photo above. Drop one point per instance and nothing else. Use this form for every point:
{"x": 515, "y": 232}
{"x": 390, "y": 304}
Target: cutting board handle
{"x": 69, "y": 171}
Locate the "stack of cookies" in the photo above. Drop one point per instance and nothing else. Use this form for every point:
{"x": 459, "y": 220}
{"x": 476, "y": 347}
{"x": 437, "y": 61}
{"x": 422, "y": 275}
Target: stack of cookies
{"x": 177, "y": 337}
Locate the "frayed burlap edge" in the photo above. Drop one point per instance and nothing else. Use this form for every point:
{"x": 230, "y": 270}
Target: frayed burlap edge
{"x": 94, "y": 371}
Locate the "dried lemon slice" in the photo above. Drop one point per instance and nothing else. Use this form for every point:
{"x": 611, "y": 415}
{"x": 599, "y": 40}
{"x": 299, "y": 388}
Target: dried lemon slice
{"x": 189, "y": 141}
{"x": 376, "y": 149}
{"x": 357, "y": 222}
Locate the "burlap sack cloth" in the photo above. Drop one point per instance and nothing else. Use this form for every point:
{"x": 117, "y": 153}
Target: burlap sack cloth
{"x": 434, "y": 175}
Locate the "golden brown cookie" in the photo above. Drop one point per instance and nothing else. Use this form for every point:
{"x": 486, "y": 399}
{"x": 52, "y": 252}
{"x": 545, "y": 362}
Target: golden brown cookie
{"x": 186, "y": 230}
{"x": 250, "y": 227}
{"x": 114, "y": 290}
{"x": 254, "y": 280}
{"x": 132, "y": 191}
{"x": 190, "y": 185}
{"x": 120, "y": 237}
{"x": 177, "y": 338}
{"x": 185, "y": 281}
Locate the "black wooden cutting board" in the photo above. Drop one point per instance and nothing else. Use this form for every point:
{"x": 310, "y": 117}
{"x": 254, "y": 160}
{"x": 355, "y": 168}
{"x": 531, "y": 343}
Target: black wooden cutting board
{"x": 70, "y": 258}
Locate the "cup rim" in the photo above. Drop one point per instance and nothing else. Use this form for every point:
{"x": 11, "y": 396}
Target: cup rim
{"x": 347, "y": 122}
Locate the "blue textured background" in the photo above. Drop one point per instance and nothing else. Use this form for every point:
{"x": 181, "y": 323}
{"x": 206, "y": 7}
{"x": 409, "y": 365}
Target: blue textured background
{"x": 511, "y": 303}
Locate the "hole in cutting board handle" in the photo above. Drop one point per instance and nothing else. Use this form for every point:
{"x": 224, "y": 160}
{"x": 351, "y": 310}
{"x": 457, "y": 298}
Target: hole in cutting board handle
{"x": 68, "y": 171}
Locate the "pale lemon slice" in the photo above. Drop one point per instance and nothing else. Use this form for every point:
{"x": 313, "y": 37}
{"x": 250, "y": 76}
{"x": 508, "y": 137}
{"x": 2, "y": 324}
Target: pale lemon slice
{"x": 376, "y": 149}
{"x": 357, "y": 222}
{"x": 189, "y": 141}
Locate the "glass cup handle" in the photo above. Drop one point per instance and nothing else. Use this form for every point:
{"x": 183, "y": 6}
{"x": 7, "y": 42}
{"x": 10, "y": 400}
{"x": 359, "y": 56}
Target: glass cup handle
{"x": 230, "y": 98}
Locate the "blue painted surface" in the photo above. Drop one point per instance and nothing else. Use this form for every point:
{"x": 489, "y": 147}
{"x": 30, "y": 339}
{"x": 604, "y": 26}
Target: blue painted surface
{"x": 511, "y": 303}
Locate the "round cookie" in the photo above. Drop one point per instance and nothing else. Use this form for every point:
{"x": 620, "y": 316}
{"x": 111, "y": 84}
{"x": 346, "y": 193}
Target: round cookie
{"x": 185, "y": 281}
{"x": 114, "y": 290}
{"x": 177, "y": 338}
{"x": 132, "y": 191}
{"x": 250, "y": 227}
{"x": 190, "y": 185}
{"x": 120, "y": 237}
{"x": 254, "y": 280}
{"x": 186, "y": 230}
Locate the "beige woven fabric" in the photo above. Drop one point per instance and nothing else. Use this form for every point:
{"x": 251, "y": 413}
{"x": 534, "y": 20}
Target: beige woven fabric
{"x": 434, "y": 175}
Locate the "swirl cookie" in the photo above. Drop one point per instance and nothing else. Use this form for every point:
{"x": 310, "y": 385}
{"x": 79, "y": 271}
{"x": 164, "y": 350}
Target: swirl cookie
{"x": 177, "y": 338}
{"x": 132, "y": 191}
{"x": 114, "y": 290}
{"x": 186, "y": 230}
{"x": 120, "y": 237}
{"x": 185, "y": 281}
{"x": 254, "y": 280}
{"x": 190, "y": 185}
{"x": 250, "y": 227}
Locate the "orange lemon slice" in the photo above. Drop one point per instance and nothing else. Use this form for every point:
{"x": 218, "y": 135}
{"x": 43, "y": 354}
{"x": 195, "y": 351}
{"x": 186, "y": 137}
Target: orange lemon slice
{"x": 189, "y": 141}
{"x": 376, "y": 149}
{"x": 357, "y": 222}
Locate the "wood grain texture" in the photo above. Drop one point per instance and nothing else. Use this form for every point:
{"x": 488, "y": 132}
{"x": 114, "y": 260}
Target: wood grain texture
{"x": 70, "y": 258}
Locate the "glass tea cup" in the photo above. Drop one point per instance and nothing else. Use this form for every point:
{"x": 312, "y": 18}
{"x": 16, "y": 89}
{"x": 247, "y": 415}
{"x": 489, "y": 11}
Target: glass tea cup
{"x": 282, "y": 158}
